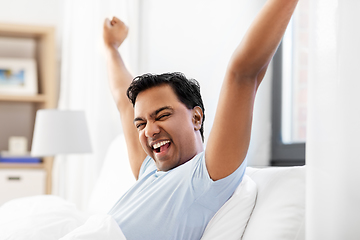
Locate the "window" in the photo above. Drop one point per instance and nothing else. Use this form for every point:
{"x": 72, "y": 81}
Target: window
{"x": 289, "y": 104}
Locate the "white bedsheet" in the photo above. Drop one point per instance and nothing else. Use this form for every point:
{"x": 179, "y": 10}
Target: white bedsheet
{"x": 49, "y": 217}
{"x": 100, "y": 226}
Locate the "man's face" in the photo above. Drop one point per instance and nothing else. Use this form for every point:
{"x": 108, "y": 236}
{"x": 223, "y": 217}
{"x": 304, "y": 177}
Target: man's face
{"x": 166, "y": 127}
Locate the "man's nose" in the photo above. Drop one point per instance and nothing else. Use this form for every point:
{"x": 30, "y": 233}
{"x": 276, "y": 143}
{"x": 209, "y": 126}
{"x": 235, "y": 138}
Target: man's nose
{"x": 151, "y": 129}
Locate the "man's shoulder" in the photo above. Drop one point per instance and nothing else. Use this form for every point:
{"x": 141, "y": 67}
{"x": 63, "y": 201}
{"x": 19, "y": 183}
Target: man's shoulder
{"x": 147, "y": 166}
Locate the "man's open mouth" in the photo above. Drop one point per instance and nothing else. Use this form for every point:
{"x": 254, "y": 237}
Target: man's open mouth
{"x": 161, "y": 146}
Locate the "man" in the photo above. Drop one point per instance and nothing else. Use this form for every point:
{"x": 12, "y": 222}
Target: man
{"x": 180, "y": 187}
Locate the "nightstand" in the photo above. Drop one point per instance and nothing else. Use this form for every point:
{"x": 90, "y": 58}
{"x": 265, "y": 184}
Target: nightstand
{"x": 21, "y": 180}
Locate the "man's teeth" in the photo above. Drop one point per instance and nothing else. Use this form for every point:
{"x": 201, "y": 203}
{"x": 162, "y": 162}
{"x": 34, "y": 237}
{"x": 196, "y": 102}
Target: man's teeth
{"x": 159, "y": 144}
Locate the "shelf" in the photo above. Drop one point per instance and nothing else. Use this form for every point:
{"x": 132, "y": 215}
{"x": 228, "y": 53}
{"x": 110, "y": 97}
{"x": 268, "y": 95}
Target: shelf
{"x": 18, "y": 112}
{"x": 23, "y": 98}
{"x": 22, "y": 165}
{"x": 16, "y": 30}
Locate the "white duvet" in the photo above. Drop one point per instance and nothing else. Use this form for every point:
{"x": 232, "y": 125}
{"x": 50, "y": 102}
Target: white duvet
{"x": 49, "y": 217}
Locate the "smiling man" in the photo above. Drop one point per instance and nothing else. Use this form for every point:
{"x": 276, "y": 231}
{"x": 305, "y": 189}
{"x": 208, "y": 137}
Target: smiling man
{"x": 180, "y": 186}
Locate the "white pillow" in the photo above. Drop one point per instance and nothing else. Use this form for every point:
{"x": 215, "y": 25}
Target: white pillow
{"x": 114, "y": 180}
{"x": 231, "y": 219}
{"x": 279, "y": 213}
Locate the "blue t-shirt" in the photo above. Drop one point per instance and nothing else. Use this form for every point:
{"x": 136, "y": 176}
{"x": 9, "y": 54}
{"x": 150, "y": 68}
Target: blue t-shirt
{"x": 177, "y": 204}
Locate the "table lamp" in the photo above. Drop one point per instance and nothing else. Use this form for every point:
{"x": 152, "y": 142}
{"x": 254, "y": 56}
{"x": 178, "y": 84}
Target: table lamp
{"x": 60, "y": 132}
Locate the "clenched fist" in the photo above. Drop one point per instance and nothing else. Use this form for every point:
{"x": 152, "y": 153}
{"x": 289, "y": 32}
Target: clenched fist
{"x": 115, "y": 32}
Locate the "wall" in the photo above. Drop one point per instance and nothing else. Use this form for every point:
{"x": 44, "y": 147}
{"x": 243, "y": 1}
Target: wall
{"x": 197, "y": 37}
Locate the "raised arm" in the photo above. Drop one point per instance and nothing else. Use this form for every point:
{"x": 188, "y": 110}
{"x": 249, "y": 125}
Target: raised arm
{"x": 230, "y": 135}
{"x": 115, "y": 32}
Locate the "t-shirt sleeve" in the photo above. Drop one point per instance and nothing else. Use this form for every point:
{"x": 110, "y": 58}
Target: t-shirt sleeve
{"x": 216, "y": 192}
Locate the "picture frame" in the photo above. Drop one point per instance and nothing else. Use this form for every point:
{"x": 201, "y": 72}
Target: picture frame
{"x": 18, "y": 76}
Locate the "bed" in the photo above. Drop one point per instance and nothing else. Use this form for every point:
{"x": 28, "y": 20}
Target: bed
{"x": 268, "y": 204}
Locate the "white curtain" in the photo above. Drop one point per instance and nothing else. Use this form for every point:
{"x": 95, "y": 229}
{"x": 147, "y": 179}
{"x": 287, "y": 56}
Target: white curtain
{"x": 332, "y": 152}
{"x": 84, "y": 86}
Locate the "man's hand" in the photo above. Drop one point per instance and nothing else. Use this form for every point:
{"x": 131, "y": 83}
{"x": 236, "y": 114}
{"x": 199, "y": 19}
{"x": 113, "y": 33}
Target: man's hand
{"x": 115, "y": 32}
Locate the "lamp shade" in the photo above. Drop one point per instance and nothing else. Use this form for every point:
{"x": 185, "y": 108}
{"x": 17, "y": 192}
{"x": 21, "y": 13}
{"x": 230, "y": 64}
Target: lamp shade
{"x": 60, "y": 132}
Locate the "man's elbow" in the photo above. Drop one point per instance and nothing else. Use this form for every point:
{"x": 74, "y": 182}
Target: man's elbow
{"x": 246, "y": 73}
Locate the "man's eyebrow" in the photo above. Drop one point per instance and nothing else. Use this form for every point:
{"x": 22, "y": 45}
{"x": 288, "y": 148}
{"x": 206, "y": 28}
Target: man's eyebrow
{"x": 156, "y": 112}
{"x": 138, "y": 119}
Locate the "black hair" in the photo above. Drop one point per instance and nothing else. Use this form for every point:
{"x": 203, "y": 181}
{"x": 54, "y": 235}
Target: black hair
{"x": 187, "y": 90}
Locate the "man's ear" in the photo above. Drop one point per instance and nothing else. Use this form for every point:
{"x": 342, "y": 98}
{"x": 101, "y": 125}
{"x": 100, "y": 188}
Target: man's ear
{"x": 197, "y": 117}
